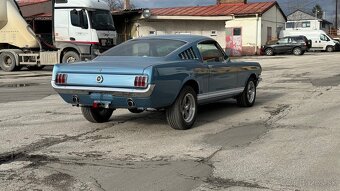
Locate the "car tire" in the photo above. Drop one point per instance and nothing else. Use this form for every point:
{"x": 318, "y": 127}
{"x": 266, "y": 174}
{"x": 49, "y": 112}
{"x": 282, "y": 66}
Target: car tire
{"x": 135, "y": 110}
{"x": 97, "y": 115}
{"x": 34, "y": 67}
{"x": 7, "y": 62}
{"x": 269, "y": 52}
{"x": 248, "y": 96}
{"x": 329, "y": 48}
{"x": 297, "y": 51}
{"x": 181, "y": 115}
{"x": 70, "y": 57}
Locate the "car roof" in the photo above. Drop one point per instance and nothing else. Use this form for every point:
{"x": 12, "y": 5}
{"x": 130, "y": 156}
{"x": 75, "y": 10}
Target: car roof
{"x": 186, "y": 38}
{"x": 296, "y": 36}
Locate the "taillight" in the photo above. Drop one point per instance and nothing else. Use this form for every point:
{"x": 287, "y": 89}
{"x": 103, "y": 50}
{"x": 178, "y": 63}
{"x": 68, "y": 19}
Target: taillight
{"x": 141, "y": 81}
{"x": 61, "y": 79}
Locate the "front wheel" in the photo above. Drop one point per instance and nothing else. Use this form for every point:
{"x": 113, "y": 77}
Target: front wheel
{"x": 329, "y": 49}
{"x": 182, "y": 114}
{"x": 248, "y": 96}
{"x": 297, "y": 51}
{"x": 97, "y": 115}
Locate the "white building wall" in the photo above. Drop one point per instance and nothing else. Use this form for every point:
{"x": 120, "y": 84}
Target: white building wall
{"x": 203, "y": 28}
{"x": 251, "y": 32}
{"x": 274, "y": 19}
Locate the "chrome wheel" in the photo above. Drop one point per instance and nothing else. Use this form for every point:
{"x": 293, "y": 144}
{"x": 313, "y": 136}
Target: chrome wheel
{"x": 251, "y": 91}
{"x": 297, "y": 51}
{"x": 70, "y": 59}
{"x": 269, "y": 52}
{"x": 188, "y": 107}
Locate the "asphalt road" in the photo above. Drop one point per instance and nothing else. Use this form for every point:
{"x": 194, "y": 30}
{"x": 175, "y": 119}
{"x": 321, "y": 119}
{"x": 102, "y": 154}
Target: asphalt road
{"x": 288, "y": 141}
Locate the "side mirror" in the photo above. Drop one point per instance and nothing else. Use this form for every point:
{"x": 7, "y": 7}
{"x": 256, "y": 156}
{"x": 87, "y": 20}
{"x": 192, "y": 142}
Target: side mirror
{"x": 226, "y": 58}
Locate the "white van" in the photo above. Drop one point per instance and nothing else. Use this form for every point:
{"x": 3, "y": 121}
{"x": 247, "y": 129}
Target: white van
{"x": 320, "y": 40}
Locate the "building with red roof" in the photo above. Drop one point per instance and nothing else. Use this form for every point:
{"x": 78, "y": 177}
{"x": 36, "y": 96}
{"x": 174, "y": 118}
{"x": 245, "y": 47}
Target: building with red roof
{"x": 240, "y": 27}
{"x": 36, "y": 9}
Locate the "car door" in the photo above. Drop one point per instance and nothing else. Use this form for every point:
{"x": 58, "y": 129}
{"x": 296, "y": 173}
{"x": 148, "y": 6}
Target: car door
{"x": 323, "y": 42}
{"x": 282, "y": 45}
{"x": 221, "y": 78}
{"x": 79, "y": 30}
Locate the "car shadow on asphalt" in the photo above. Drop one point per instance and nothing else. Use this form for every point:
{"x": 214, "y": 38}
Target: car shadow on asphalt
{"x": 207, "y": 113}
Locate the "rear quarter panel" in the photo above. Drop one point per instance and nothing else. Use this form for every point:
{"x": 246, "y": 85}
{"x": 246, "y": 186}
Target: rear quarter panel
{"x": 170, "y": 78}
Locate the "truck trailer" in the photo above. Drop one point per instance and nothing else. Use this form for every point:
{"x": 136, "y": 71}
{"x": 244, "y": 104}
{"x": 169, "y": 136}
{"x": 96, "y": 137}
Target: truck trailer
{"x": 80, "y": 30}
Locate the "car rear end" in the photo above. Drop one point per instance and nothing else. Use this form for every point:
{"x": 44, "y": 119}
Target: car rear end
{"x": 95, "y": 85}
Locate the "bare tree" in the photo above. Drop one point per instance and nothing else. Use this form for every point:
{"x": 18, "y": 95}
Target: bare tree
{"x": 318, "y": 12}
{"x": 116, "y": 4}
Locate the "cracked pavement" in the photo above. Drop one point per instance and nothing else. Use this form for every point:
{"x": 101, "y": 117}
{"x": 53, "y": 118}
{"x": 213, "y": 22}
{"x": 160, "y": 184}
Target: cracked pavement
{"x": 288, "y": 141}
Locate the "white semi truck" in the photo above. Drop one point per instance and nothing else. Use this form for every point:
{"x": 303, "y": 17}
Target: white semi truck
{"x": 81, "y": 29}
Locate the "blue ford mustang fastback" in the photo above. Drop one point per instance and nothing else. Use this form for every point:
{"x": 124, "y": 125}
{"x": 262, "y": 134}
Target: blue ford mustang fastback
{"x": 172, "y": 72}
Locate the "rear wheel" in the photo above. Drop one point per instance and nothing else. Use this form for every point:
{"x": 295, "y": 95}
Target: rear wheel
{"x": 269, "y": 52}
{"x": 70, "y": 57}
{"x": 297, "y": 51}
{"x": 330, "y": 49}
{"x": 7, "y": 62}
{"x": 182, "y": 114}
{"x": 97, "y": 115}
{"x": 248, "y": 96}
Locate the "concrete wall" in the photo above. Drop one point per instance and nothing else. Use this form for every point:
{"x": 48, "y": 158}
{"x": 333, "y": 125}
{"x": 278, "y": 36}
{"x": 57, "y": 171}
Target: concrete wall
{"x": 161, "y": 27}
{"x": 251, "y": 33}
{"x": 274, "y": 19}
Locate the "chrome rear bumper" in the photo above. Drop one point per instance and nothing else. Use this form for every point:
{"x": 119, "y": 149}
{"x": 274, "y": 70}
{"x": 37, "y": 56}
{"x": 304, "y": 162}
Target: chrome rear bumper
{"x": 122, "y": 92}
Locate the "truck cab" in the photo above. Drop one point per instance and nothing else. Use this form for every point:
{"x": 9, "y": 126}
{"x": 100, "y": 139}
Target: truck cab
{"x": 82, "y": 29}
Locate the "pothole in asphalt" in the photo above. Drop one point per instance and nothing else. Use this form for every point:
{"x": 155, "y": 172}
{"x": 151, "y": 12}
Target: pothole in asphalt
{"x": 21, "y": 85}
{"x": 330, "y": 81}
{"x": 237, "y": 136}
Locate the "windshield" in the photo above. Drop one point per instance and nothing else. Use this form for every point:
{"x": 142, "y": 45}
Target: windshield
{"x": 101, "y": 20}
{"x": 145, "y": 48}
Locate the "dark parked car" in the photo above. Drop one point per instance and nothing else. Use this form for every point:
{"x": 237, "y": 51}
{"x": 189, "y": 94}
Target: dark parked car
{"x": 296, "y": 45}
{"x": 175, "y": 73}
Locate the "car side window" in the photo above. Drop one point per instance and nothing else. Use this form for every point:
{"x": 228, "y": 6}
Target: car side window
{"x": 283, "y": 41}
{"x": 324, "y": 38}
{"x": 210, "y": 52}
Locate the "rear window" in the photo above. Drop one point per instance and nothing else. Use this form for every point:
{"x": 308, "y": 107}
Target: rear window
{"x": 145, "y": 48}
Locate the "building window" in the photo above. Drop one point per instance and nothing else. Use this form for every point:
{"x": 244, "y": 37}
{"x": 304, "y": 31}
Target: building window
{"x": 152, "y": 33}
{"x": 290, "y": 25}
{"x": 237, "y": 31}
{"x": 306, "y": 24}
